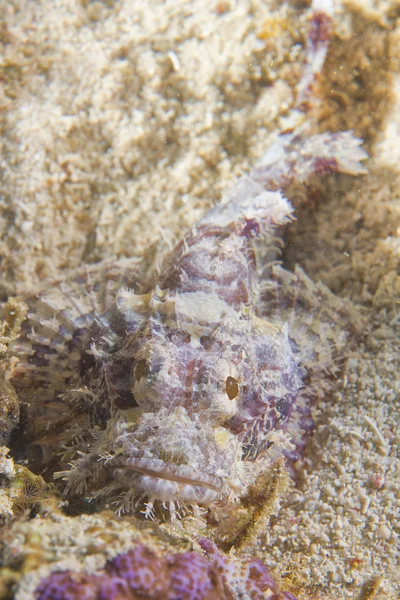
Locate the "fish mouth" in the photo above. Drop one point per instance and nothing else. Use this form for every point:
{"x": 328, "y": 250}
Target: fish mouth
{"x": 181, "y": 481}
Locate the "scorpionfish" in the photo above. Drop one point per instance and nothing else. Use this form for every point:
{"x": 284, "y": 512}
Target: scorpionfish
{"x": 182, "y": 395}
{"x": 189, "y": 388}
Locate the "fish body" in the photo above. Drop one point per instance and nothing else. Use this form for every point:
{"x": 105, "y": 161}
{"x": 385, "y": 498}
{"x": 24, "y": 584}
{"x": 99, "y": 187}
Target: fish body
{"x": 183, "y": 395}
{"x": 189, "y": 390}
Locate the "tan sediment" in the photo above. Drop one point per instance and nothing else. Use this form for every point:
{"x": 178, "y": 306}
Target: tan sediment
{"x": 121, "y": 125}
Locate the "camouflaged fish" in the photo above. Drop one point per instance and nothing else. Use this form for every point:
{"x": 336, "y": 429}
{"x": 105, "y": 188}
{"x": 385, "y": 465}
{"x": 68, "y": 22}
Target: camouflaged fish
{"x": 182, "y": 395}
{"x": 190, "y": 387}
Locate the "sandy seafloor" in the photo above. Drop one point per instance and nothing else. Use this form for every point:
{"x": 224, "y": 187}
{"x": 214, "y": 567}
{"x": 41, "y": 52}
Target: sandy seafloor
{"x": 123, "y": 121}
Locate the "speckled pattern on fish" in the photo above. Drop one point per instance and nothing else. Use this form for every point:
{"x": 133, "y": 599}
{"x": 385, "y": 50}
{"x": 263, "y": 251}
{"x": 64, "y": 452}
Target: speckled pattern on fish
{"x": 190, "y": 387}
{"x": 183, "y": 394}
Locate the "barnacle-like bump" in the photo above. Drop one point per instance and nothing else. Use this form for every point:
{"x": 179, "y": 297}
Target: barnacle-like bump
{"x": 140, "y": 369}
{"x": 231, "y": 387}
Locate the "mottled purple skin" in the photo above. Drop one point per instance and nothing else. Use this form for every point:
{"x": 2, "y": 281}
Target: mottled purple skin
{"x": 142, "y": 574}
{"x": 214, "y": 371}
{"x": 196, "y": 386}
{"x": 186, "y": 393}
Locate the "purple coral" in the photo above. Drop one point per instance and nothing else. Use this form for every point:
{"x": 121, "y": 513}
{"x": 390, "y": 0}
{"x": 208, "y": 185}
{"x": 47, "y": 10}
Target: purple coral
{"x": 141, "y": 574}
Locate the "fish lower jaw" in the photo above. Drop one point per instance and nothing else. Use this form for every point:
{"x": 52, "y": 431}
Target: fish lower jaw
{"x": 168, "y": 483}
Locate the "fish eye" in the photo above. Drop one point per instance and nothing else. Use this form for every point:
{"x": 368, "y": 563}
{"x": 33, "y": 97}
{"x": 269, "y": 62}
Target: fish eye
{"x": 140, "y": 369}
{"x": 231, "y": 387}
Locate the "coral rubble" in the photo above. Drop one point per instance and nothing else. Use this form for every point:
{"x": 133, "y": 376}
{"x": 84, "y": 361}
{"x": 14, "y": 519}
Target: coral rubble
{"x": 141, "y": 573}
